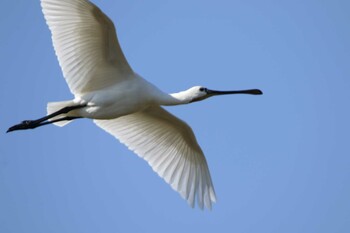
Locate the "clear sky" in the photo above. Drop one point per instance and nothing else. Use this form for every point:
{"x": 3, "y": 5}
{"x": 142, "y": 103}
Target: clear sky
{"x": 279, "y": 162}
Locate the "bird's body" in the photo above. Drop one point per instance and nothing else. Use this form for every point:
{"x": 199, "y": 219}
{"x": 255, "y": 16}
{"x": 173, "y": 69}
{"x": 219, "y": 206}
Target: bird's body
{"x": 117, "y": 100}
{"x": 125, "y": 98}
{"x": 121, "y": 102}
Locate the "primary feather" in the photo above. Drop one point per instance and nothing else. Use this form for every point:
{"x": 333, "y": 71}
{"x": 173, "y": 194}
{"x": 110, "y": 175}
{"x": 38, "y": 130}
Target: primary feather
{"x": 171, "y": 149}
{"x": 86, "y": 45}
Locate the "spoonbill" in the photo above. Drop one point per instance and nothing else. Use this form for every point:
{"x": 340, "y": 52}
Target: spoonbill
{"x": 121, "y": 102}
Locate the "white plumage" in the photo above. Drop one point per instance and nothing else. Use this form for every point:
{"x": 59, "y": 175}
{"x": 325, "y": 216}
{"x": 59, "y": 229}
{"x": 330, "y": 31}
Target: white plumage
{"x": 86, "y": 45}
{"x": 170, "y": 147}
{"x": 91, "y": 59}
{"x": 121, "y": 102}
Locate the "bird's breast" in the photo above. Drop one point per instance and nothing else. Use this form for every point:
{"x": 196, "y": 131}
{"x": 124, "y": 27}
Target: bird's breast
{"x": 115, "y": 101}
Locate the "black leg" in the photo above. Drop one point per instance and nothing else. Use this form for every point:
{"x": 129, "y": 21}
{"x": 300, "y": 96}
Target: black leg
{"x": 57, "y": 120}
{"x": 59, "y": 112}
{"x": 32, "y": 124}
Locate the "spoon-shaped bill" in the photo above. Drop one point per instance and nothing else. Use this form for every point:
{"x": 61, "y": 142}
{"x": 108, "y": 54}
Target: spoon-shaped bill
{"x": 250, "y": 92}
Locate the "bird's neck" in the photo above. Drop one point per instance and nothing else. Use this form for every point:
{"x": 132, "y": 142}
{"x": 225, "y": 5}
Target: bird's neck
{"x": 163, "y": 98}
{"x": 174, "y": 99}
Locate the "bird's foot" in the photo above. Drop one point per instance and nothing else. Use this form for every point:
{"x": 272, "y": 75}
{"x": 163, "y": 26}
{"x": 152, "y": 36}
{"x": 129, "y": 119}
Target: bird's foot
{"x": 27, "y": 124}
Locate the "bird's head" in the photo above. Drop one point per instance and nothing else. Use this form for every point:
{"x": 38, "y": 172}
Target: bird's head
{"x": 199, "y": 93}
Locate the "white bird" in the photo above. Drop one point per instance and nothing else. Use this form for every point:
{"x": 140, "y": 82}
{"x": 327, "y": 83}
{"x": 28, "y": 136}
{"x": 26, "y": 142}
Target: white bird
{"x": 121, "y": 102}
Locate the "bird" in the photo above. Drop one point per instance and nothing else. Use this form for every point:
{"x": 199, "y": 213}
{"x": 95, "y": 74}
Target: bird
{"x": 118, "y": 100}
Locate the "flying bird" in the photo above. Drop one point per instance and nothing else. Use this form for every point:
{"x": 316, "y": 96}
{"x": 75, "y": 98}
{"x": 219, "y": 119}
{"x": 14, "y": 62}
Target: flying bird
{"x": 107, "y": 90}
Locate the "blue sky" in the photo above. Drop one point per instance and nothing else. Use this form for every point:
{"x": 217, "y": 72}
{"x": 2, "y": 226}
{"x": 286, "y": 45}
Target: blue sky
{"x": 279, "y": 162}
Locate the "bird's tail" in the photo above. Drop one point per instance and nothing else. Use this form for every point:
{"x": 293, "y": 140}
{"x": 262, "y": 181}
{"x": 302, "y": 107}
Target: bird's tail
{"x": 56, "y": 106}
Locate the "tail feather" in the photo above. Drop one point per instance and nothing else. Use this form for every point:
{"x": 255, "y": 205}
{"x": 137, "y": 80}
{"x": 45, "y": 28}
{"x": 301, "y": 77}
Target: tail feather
{"x": 54, "y": 107}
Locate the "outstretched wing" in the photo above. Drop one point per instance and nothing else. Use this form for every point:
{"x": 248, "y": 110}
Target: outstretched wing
{"x": 86, "y": 44}
{"x": 170, "y": 147}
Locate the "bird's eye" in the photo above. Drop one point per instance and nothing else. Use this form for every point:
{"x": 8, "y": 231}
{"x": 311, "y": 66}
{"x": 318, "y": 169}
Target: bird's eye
{"x": 203, "y": 89}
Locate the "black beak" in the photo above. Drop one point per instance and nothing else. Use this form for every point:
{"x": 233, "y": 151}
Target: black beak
{"x": 250, "y": 92}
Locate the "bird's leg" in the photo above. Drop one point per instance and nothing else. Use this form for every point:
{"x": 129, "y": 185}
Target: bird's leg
{"x": 57, "y": 120}
{"x": 31, "y": 124}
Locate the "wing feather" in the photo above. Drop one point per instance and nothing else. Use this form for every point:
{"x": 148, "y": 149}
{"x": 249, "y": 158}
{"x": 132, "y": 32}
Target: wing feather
{"x": 86, "y": 45}
{"x": 170, "y": 147}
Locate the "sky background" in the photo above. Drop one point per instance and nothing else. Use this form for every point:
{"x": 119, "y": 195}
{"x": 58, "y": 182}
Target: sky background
{"x": 279, "y": 162}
